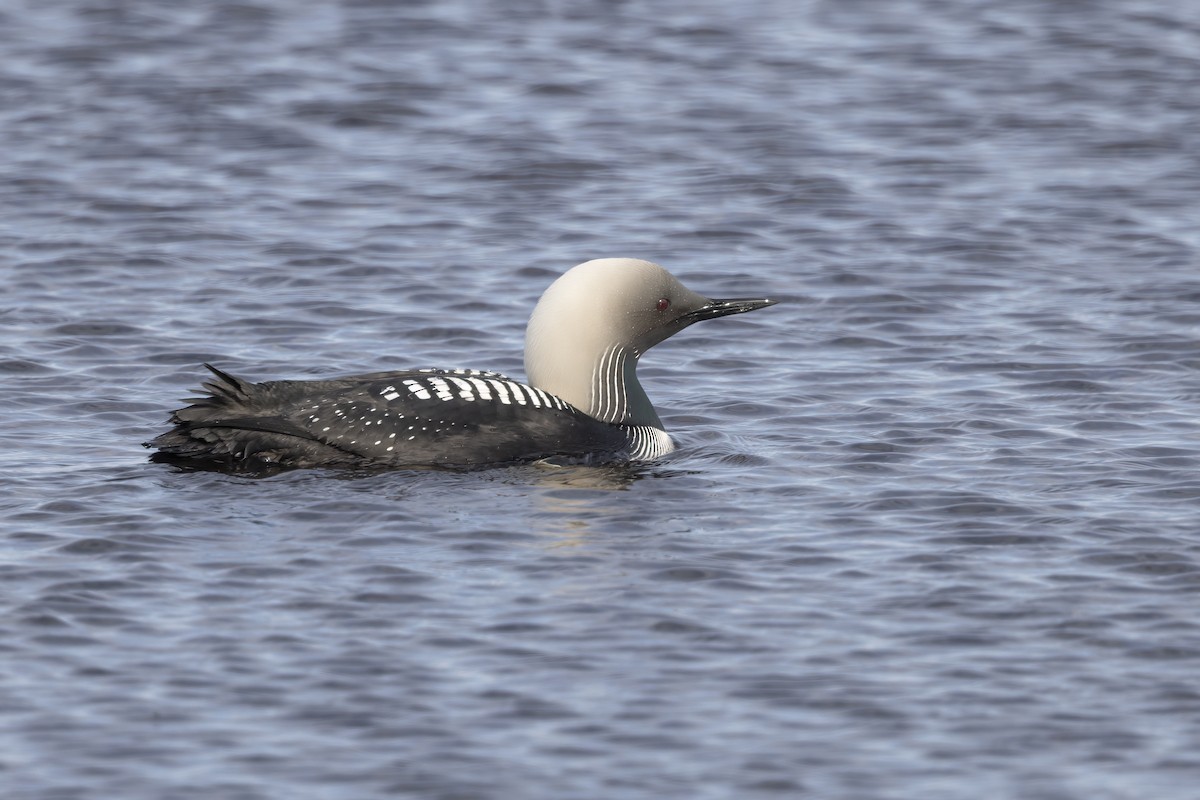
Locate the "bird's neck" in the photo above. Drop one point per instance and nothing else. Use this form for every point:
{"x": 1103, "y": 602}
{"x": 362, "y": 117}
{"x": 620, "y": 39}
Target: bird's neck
{"x": 607, "y": 388}
{"x": 616, "y": 395}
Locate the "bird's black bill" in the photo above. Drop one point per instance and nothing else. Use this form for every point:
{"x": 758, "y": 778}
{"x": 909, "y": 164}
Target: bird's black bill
{"x": 723, "y": 308}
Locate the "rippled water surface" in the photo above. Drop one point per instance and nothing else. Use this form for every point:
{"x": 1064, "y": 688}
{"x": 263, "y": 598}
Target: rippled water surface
{"x": 933, "y": 528}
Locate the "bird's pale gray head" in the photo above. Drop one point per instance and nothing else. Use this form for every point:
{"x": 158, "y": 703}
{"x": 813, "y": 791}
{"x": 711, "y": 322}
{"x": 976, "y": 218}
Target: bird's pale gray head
{"x": 614, "y": 309}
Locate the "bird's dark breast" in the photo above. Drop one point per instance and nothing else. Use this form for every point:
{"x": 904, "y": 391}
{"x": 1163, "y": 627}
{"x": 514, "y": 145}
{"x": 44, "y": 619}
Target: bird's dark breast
{"x": 447, "y": 418}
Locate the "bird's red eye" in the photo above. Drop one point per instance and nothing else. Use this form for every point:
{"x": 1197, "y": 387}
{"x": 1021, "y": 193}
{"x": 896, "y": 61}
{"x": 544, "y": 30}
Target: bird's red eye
{"x": 664, "y": 304}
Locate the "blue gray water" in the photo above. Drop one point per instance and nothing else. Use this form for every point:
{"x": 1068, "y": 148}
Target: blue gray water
{"x": 933, "y": 529}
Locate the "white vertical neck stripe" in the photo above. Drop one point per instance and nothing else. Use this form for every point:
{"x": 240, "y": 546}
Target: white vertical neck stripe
{"x": 610, "y": 397}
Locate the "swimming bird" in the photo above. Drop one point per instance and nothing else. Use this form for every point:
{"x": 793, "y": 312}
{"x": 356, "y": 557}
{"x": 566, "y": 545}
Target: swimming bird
{"x": 582, "y": 399}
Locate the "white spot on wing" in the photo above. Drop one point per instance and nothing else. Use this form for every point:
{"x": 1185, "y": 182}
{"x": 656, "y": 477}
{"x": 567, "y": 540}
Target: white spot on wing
{"x": 418, "y": 389}
{"x": 465, "y": 390}
{"x": 485, "y": 391}
{"x": 501, "y": 392}
{"x": 442, "y": 388}
{"x": 533, "y": 395}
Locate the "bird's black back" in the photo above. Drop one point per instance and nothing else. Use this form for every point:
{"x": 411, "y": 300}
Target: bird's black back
{"x": 412, "y": 418}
